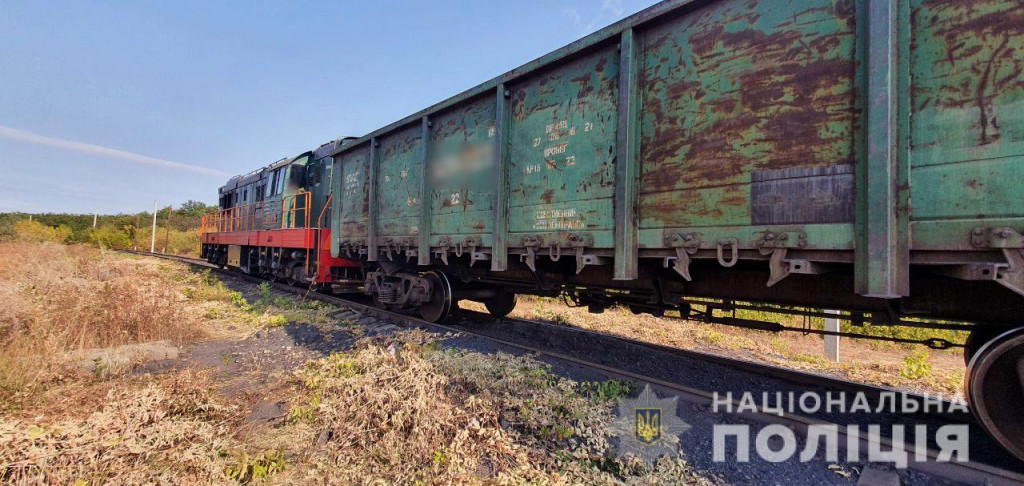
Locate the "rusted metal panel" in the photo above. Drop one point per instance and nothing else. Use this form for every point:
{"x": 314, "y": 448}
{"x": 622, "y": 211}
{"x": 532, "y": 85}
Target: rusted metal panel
{"x": 738, "y": 87}
{"x": 352, "y": 183}
{"x": 967, "y": 102}
{"x": 398, "y": 184}
{"x": 463, "y": 171}
{"x": 813, "y": 118}
{"x": 562, "y": 150}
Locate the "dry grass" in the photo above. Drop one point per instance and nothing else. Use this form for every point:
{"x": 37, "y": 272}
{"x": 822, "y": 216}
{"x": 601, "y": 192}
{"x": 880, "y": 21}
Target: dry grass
{"x": 168, "y": 431}
{"x": 403, "y": 411}
{"x": 879, "y": 363}
{"x": 392, "y": 410}
{"x": 59, "y": 299}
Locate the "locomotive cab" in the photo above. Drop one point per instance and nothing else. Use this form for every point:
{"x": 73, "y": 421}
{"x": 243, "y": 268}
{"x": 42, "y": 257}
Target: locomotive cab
{"x": 271, "y": 223}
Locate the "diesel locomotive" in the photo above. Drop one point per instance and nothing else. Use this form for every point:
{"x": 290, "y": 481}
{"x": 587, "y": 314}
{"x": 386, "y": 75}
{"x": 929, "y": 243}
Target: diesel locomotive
{"x": 274, "y": 222}
{"x": 699, "y": 157}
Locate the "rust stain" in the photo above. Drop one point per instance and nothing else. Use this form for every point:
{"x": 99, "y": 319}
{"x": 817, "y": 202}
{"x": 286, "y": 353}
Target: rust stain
{"x": 772, "y": 114}
{"x": 548, "y": 196}
{"x": 981, "y": 59}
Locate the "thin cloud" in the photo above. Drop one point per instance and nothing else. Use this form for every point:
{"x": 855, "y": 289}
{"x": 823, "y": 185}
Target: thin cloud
{"x": 609, "y": 12}
{"x": 614, "y": 7}
{"x": 90, "y": 149}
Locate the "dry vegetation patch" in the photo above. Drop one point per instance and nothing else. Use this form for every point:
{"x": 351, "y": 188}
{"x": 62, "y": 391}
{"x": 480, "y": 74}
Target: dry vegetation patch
{"x": 59, "y": 299}
{"x": 168, "y": 431}
{"x": 402, "y": 410}
{"x": 62, "y": 303}
{"x": 394, "y": 409}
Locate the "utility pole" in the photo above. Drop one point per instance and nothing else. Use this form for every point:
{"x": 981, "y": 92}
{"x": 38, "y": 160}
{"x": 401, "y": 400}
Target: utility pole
{"x": 30, "y": 218}
{"x": 152, "y": 236}
{"x": 94, "y": 217}
{"x": 167, "y": 229}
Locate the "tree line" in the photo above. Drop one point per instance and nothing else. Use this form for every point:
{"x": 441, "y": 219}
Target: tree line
{"x": 177, "y": 228}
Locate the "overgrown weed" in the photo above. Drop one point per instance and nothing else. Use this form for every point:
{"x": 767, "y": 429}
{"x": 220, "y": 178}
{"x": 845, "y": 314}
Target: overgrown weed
{"x": 402, "y": 410}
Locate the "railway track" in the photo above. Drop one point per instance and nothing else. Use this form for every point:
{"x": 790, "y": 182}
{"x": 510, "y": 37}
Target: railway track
{"x": 547, "y": 341}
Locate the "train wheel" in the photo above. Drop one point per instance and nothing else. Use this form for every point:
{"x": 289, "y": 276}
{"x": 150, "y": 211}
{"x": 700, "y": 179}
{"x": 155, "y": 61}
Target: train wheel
{"x": 995, "y": 389}
{"x": 978, "y": 338}
{"x": 502, "y": 304}
{"x": 440, "y": 301}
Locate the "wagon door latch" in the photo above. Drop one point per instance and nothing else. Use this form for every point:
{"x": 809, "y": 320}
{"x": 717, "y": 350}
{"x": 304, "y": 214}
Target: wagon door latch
{"x": 460, "y": 248}
{"x": 471, "y": 245}
{"x": 777, "y": 244}
{"x": 685, "y": 245}
{"x": 1009, "y": 274}
{"x": 348, "y": 247}
{"x": 578, "y": 243}
{"x": 574, "y": 243}
{"x": 532, "y": 243}
{"x": 444, "y": 245}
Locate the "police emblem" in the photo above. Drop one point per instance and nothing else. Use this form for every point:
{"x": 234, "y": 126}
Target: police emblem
{"x": 647, "y": 426}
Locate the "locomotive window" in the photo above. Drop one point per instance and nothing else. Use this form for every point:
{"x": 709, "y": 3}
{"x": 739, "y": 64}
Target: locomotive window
{"x": 273, "y": 182}
{"x": 280, "y": 181}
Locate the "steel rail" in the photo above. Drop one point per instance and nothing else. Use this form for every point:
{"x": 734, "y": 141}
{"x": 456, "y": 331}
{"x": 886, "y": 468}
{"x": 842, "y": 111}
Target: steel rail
{"x": 765, "y": 369}
{"x": 971, "y": 472}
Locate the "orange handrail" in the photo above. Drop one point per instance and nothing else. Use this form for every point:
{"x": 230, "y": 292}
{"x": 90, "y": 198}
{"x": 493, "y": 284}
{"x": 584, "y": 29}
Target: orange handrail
{"x": 250, "y": 217}
{"x": 239, "y": 218}
{"x": 319, "y": 230}
{"x": 291, "y": 205}
{"x": 327, "y": 204}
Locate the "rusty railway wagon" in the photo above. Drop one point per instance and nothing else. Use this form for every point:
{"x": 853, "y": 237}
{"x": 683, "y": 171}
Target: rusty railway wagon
{"x": 700, "y": 157}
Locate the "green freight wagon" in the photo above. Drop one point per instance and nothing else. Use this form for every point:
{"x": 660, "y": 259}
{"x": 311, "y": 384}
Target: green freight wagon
{"x": 706, "y": 156}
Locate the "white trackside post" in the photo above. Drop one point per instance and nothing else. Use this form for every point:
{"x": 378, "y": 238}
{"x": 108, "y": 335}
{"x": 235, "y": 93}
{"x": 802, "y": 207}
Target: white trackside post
{"x": 832, "y": 342}
{"x": 152, "y": 237}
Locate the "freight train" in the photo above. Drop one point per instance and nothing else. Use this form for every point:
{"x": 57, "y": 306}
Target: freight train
{"x": 697, "y": 158}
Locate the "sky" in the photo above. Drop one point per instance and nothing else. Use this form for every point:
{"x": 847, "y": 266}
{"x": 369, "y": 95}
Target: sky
{"x": 106, "y": 106}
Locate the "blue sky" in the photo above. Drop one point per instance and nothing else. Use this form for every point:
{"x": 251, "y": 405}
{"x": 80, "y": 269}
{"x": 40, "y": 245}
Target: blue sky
{"x": 106, "y": 106}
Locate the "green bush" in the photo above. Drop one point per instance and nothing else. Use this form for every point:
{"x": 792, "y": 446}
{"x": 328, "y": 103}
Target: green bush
{"x": 36, "y": 232}
{"x": 916, "y": 367}
{"x": 108, "y": 236}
